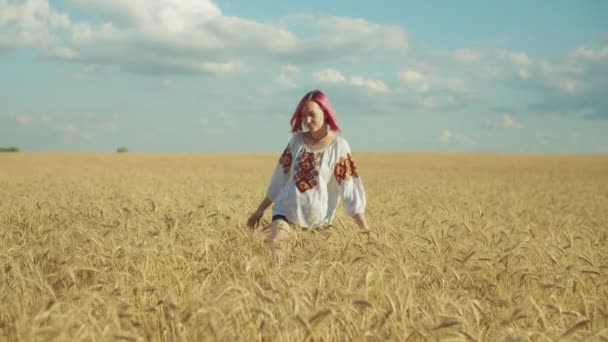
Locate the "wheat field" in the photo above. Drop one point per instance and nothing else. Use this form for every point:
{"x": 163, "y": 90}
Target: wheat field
{"x": 153, "y": 247}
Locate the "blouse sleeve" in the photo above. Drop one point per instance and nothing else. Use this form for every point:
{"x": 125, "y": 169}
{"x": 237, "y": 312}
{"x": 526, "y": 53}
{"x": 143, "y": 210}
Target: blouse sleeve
{"x": 349, "y": 184}
{"x": 280, "y": 174}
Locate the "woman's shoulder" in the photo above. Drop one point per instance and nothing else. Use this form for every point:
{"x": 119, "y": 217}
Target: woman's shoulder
{"x": 295, "y": 137}
{"x": 342, "y": 143}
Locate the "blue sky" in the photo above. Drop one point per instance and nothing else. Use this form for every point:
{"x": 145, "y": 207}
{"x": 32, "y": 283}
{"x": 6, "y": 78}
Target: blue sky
{"x": 199, "y": 75}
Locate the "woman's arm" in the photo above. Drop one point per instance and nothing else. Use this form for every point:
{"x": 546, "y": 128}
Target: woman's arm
{"x": 254, "y": 219}
{"x": 266, "y": 202}
{"x": 277, "y": 182}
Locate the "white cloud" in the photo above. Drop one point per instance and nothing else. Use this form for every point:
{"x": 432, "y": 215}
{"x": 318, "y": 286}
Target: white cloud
{"x": 82, "y": 73}
{"x": 447, "y": 137}
{"x": 219, "y": 67}
{"x": 329, "y": 75}
{"x": 218, "y": 124}
{"x": 570, "y": 85}
{"x": 415, "y": 79}
{"x": 77, "y": 76}
{"x": 226, "y": 119}
{"x": 373, "y": 85}
{"x": 65, "y": 53}
{"x": 509, "y": 122}
{"x": 518, "y": 59}
{"x": 550, "y": 68}
{"x": 411, "y": 76}
{"x": 524, "y": 74}
{"x": 562, "y": 76}
{"x": 185, "y": 36}
{"x": 463, "y": 55}
{"x": 168, "y": 37}
{"x": 174, "y": 16}
{"x": 167, "y": 83}
{"x": 490, "y": 71}
{"x": 338, "y": 33}
{"x": 264, "y": 92}
{"x": 170, "y": 65}
{"x": 29, "y": 23}
{"x": 505, "y": 121}
{"x": 290, "y": 69}
{"x": 454, "y": 84}
{"x": 596, "y": 55}
{"x": 436, "y": 101}
{"x": 334, "y": 76}
{"x": 82, "y": 126}
{"x": 27, "y": 119}
{"x": 68, "y": 128}
{"x": 467, "y": 55}
{"x": 424, "y": 82}
{"x": 288, "y": 75}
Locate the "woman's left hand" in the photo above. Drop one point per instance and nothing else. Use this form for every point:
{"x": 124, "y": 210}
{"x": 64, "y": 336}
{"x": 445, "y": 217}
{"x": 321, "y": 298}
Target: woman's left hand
{"x": 254, "y": 219}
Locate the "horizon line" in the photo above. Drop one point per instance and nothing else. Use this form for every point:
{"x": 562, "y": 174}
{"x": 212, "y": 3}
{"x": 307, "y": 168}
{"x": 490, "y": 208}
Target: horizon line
{"x": 360, "y": 151}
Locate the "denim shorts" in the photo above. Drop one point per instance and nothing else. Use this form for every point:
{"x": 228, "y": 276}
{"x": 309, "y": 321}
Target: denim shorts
{"x": 280, "y": 217}
{"x": 284, "y": 218}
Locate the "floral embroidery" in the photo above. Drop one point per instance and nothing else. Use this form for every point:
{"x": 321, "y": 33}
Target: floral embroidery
{"x": 306, "y": 170}
{"x": 285, "y": 160}
{"x": 345, "y": 169}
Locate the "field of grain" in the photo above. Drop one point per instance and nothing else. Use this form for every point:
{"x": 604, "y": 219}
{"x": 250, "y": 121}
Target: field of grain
{"x": 138, "y": 247}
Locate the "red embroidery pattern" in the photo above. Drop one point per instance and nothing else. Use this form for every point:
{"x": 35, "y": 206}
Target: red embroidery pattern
{"x": 306, "y": 173}
{"x": 285, "y": 160}
{"x": 345, "y": 169}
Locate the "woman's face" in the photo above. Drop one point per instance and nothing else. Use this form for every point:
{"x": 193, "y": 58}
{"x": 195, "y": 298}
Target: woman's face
{"x": 313, "y": 117}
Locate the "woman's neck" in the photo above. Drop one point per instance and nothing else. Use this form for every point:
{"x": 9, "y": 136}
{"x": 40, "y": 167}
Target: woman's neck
{"x": 319, "y": 135}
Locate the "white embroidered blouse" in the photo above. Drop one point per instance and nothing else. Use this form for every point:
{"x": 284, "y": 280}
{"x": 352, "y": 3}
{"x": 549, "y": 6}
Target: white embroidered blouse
{"x": 307, "y": 185}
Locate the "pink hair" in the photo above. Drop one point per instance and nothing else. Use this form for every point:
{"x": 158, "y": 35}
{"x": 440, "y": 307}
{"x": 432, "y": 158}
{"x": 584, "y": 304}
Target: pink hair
{"x": 323, "y": 101}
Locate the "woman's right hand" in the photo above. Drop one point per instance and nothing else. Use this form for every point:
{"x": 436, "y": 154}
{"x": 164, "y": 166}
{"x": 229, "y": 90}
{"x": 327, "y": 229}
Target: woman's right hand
{"x": 254, "y": 219}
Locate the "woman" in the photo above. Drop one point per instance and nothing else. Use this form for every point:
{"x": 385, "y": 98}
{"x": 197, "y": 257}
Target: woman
{"x": 315, "y": 171}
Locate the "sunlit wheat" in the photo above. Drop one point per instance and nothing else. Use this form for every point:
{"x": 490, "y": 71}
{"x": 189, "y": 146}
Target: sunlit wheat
{"x": 139, "y": 247}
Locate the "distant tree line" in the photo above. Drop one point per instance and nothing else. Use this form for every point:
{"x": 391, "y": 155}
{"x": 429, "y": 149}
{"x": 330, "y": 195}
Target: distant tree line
{"x": 9, "y": 149}
{"x": 15, "y": 149}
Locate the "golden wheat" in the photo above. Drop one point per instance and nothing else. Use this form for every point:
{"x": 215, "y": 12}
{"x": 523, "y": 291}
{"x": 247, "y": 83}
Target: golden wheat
{"x": 137, "y": 247}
